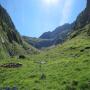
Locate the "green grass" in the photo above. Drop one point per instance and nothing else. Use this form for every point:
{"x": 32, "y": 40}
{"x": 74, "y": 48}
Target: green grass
{"x": 66, "y": 67}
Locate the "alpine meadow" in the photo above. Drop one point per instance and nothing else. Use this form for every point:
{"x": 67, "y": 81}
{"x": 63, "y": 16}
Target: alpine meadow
{"x": 56, "y": 60}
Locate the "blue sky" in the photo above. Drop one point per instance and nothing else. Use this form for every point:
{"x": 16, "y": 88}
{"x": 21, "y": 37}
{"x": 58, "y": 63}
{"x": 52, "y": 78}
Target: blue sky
{"x": 33, "y": 17}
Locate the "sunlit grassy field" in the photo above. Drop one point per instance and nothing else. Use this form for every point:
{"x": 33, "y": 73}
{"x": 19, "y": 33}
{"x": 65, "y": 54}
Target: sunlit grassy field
{"x": 64, "y": 67}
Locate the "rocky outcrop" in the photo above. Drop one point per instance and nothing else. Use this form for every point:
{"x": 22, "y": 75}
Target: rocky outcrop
{"x": 84, "y": 18}
{"x": 88, "y": 5}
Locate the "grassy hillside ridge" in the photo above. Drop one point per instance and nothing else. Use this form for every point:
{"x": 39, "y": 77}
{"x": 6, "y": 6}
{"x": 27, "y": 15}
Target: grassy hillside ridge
{"x": 11, "y": 43}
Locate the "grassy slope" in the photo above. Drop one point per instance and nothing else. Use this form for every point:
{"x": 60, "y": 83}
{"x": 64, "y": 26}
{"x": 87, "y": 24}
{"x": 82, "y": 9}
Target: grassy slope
{"x": 66, "y": 68}
{"x": 6, "y": 46}
{"x": 11, "y": 42}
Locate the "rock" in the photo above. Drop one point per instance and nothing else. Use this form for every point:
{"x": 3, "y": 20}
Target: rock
{"x": 82, "y": 50}
{"x": 22, "y": 57}
{"x": 87, "y": 47}
{"x": 11, "y": 65}
{"x": 43, "y": 77}
{"x": 84, "y": 18}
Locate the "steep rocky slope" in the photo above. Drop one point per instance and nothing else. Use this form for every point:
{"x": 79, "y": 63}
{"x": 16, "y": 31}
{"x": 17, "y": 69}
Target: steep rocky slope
{"x": 83, "y": 20}
{"x": 11, "y": 43}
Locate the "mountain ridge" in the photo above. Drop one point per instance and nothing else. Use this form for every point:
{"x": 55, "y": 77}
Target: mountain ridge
{"x": 11, "y": 43}
{"x": 64, "y": 32}
{"x": 48, "y": 39}
{"x": 84, "y": 17}
{"x": 82, "y": 20}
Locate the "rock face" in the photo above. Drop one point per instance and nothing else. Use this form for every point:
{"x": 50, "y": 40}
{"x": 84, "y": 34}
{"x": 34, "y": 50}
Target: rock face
{"x": 82, "y": 23}
{"x": 11, "y": 43}
{"x": 88, "y": 5}
{"x": 84, "y": 17}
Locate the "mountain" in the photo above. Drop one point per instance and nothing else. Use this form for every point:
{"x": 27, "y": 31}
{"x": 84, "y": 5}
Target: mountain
{"x": 82, "y": 23}
{"x": 38, "y": 42}
{"x": 11, "y": 43}
{"x": 59, "y": 35}
{"x": 63, "y": 67}
{"x": 47, "y": 39}
{"x": 59, "y": 31}
{"x": 62, "y": 33}
{"x": 84, "y": 18}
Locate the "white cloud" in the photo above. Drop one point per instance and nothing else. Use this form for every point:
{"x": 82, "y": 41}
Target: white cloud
{"x": 66, "y": 11}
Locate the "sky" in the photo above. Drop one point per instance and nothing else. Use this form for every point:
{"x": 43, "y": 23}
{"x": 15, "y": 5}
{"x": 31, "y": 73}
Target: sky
{"x": 34, "y": 17}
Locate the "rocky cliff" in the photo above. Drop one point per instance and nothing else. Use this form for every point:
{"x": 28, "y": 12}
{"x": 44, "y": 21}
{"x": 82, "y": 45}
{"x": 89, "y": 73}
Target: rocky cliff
{"x": 84, "y": 18}
{"x": 82, "y": 23}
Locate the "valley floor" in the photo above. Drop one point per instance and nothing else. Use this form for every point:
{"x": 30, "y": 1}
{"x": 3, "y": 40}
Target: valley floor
{"x": 65, "y": 67}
